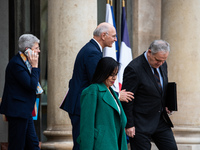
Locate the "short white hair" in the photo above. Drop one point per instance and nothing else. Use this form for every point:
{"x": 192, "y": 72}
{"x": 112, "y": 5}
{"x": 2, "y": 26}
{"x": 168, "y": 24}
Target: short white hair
{"x": 101, "y": 29}
{"x": 159, "y": 45}
{"x": 27, "y": 41}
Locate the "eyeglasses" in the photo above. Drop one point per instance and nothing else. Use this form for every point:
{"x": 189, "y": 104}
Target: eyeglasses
{"x": 37, "y": 48}
{"x": 113, "y": 75}
{"x": 114, "y": 36}
{"x": 34, "y": 48}
{"x": 160, "y": 61}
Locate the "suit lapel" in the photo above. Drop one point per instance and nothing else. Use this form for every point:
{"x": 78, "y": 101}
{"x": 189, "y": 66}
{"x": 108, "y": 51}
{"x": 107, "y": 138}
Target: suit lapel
{"x": 150, "y": 73}
{"x": 95, "y": 43}
{"x": 148, "y": 70}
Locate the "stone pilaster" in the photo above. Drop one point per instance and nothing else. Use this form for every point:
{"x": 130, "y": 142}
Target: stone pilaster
{"x": 70, "y": 26}
{"x": 146, "y": 24}
{"x": 181, "y": 28}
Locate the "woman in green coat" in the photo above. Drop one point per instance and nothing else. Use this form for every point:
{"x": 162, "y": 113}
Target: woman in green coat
{"x": 102, "y": 120}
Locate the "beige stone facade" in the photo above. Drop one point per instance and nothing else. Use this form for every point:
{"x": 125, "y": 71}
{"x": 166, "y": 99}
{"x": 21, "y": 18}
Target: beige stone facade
{"x": 70, "y": 26}
{"x": 180, "y": 27}
{"x": 175, "y": 21}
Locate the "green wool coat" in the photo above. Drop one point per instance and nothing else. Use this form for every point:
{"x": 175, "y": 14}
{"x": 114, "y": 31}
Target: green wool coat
{"x": 102, "y": 127}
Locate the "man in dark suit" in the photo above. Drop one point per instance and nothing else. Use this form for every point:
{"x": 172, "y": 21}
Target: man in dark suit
{"x": 19, "y": 96}
{"x": 84, "y": 68}
{"x": 147, "y": 115}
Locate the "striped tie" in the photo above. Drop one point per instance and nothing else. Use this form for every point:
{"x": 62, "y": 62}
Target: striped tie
{"x": 156, "y": 75}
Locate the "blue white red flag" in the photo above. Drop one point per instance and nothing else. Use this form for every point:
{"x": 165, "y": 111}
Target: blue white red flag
{"x": 111, "y": 51}
{"x": 125, "y": 51}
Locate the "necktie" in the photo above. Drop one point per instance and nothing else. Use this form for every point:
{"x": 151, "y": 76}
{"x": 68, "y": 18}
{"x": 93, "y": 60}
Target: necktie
{"x": 156, "y": 75}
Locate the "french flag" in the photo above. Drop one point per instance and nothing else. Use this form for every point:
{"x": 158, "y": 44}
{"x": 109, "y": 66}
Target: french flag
{"x": 111, "y": 51}
{"x": 125, "y": 51}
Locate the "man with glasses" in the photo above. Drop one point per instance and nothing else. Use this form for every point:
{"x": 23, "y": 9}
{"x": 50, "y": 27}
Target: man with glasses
{"x": 147, "y": 116}
{"x": 85, "y": 64}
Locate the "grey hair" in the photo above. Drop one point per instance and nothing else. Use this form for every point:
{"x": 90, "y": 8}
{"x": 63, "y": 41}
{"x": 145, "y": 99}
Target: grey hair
{"x": 159, "y": 45}
{"x": 101, "y": 29}
{"x": 27, "y": 41}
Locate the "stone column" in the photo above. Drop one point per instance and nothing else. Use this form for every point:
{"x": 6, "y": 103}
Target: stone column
{"x": 181, "y": 28}
{"x": 146, "y": 24}
{"x": 70, "y": 25}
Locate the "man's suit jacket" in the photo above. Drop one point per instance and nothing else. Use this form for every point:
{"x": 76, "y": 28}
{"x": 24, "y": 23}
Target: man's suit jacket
{"x": 102, "y": 126}
{"x": 20, "y": 89}
{"x": 149, "y": 104}
{"x": 84, "y": 68}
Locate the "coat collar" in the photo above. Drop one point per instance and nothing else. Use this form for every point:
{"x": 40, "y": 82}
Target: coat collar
{"x": 21, "y": 62}
{"x": 108, "y": 98}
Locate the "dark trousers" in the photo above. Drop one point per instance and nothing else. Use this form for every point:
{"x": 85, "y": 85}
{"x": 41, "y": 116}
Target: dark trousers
{"x": 163, "y": 138}
{"x": 75, "y": 121}
{"x": 21, "y": 134}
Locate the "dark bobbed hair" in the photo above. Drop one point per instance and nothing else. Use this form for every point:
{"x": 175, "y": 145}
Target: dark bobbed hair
{"x": 104, "y": 69}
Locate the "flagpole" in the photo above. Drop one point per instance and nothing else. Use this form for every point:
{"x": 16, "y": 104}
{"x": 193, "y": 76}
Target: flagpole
{"x": 111, "y": 51}
{"x": 125, "y": 49}
{"x": 108, "y": 1}
{"x": 111, "y": 3}
{"x": 123, "y": 3}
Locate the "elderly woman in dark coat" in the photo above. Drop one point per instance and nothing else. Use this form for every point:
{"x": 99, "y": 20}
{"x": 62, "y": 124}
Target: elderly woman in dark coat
{"x": 19, "y": 96}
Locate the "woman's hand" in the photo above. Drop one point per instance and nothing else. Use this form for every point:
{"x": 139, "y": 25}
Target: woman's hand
{"x": 33, "y": 59}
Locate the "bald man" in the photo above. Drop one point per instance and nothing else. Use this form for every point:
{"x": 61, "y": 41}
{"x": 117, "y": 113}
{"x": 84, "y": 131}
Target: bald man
{"x": 84, "y": 68}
